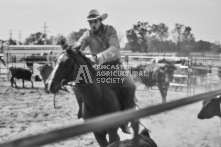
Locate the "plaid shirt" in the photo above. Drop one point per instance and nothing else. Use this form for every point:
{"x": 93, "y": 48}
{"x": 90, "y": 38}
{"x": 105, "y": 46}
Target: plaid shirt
{"x": 104, "y": 43}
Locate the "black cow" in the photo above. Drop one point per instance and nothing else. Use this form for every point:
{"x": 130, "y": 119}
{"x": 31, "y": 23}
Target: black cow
{"x": 20, "y": 73}
{"x": 210, "y": 108}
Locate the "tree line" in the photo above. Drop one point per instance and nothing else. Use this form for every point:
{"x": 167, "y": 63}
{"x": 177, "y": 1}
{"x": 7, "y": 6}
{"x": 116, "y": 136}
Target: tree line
{"x": 142, "y": 37}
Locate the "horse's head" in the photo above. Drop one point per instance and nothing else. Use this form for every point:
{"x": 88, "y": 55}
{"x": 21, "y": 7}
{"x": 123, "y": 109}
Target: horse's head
{"x": 63, "y": 70}
{"x": 166, "y": 72}
{"x": 66, "y": 69}
{"x": 63, "y": 67}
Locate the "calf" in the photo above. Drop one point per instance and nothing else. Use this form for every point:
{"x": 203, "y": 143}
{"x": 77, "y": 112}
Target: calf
{"x": 144, "y": 140}
{"x": 20, "y": 73}
{"x": 210, "y": 108}
{"x": 156, "y": 75}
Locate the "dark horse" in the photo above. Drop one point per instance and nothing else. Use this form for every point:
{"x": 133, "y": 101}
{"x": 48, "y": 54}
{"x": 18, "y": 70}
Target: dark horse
{"x": 98, "y": 98}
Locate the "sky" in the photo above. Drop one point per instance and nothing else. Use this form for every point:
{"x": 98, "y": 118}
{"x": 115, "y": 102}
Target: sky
{"x": 65, "y": 16}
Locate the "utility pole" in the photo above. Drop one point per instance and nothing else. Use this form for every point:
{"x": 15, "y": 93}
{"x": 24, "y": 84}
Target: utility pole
{"x": 45, "y": 28}
{"x": 10, "y": 35}
{"x": 20, "y": 36}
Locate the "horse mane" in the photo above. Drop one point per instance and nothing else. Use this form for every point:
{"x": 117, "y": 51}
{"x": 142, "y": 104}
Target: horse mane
{"x": 88, "y": 61}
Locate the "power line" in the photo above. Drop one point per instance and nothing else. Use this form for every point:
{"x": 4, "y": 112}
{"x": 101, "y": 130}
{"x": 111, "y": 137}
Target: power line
{"x": 212, "y": 33}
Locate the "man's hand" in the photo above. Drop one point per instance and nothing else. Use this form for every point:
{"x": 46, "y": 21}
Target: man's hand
{"x": 94, "y": 59}
{"x": 100, "y": 58}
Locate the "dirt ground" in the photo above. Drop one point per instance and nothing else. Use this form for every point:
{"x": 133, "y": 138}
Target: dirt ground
{"x": 29, "y": 111}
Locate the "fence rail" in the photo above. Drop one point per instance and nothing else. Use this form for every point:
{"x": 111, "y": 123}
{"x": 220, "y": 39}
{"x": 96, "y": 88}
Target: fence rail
{"x": 104, "y": 122}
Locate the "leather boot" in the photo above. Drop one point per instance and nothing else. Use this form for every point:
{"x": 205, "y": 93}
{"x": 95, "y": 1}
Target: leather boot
{"x": 125, "y": 128}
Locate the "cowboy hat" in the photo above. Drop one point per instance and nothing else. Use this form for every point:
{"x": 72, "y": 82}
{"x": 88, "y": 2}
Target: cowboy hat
{"x": 94, "y": 14}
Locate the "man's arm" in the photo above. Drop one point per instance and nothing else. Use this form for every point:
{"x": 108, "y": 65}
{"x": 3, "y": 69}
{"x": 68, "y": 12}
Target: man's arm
{"x": 113, "y": 52}
{"x": 82, "y": 43}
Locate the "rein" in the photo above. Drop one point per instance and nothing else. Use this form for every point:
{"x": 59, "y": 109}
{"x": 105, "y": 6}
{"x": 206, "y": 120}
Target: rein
{"x": 220, "y": 112}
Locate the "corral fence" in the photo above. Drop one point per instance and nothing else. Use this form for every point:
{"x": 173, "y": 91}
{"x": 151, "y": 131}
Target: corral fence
{"x": 15, "y": 55}
{"x": 206, "y": 73}
{"x": 103, "y": 122}
{"x": 111, "y": 120}
{"x": 191, "y": 79}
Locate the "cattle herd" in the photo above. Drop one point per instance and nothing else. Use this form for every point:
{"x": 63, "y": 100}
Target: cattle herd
{"x": 160, "y": 75}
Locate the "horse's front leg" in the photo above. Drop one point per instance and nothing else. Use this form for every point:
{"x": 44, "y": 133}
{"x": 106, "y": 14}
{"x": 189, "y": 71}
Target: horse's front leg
{"x": 101, "y": 139}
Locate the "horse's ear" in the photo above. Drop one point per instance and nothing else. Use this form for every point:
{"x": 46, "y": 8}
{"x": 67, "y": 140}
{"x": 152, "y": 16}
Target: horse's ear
{"x": 70, "y": 51}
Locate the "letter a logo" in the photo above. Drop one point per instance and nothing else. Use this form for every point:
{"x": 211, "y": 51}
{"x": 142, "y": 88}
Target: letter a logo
{"x": 83, "y": 70}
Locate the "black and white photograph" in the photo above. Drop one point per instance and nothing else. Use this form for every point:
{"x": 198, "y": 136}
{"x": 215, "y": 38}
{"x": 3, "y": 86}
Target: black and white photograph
{"x": 110, "y": 73}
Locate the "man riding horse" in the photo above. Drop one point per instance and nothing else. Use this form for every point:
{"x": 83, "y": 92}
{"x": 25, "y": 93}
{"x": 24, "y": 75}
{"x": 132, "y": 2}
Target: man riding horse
{"x": 104, "y": 46}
